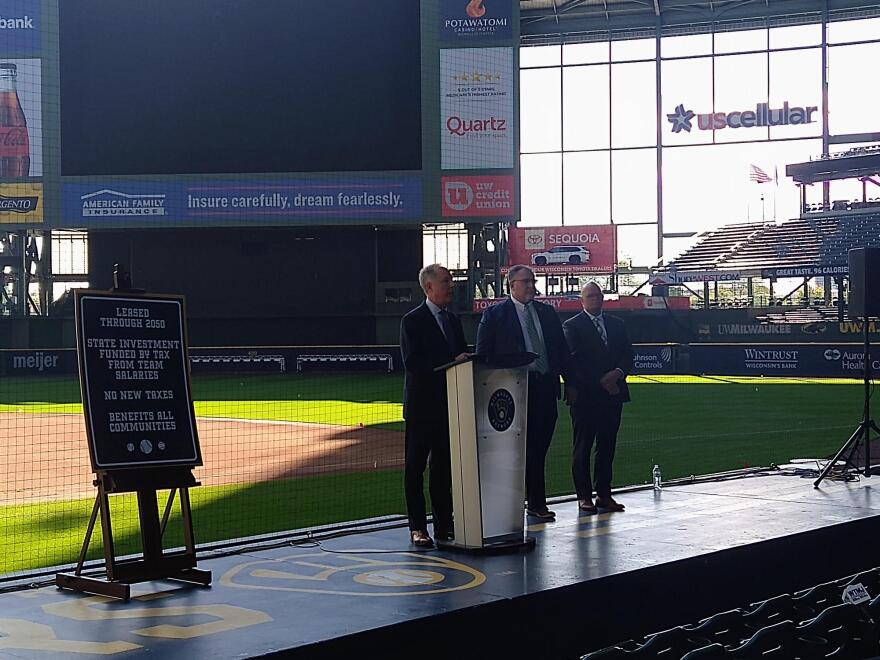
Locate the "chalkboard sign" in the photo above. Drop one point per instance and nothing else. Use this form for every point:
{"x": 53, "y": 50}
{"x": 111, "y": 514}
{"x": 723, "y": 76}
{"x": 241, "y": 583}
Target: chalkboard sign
{"x": 135, "y": 382}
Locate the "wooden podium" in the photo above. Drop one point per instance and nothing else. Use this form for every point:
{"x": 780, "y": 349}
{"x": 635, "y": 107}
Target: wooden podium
{"x": 487, "y": 436}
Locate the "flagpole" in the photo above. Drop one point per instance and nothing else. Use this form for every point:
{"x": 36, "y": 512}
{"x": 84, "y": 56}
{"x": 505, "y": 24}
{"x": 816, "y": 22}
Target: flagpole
{"x": 763, "y": 221}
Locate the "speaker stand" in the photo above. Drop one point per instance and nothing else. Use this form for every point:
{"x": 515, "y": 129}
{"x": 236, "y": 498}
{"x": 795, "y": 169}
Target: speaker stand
{"x": 862, "y": 434}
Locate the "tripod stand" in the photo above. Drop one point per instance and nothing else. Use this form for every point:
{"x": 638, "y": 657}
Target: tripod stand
{"x": 850, "y": 450}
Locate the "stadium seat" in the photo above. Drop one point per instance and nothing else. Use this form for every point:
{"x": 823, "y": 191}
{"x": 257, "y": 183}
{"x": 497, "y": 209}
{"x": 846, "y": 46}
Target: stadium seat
{"x": 707, "y": 653}
{"x": 776, "y": 641}
{"x": 771, "y": 611}
{"x": 725, "y": 628}
{"x": 848, "y": 629}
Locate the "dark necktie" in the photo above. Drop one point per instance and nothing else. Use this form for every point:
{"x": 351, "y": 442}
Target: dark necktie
{"x": 446, "y": 326}
{"x": 601, "y": 330}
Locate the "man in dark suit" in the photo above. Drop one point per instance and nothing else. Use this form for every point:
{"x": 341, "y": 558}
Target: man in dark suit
{"x": 602, "y": 358}
{"x": 430, "y": 336}
{"x": 523, "y": 324}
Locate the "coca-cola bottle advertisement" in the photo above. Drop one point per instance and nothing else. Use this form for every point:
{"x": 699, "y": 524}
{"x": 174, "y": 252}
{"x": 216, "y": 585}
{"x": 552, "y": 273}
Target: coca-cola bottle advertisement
{"x": 20, "y": 119}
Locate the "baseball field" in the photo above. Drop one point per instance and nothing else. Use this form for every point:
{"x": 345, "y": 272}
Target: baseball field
{"x": 288, "y": 451}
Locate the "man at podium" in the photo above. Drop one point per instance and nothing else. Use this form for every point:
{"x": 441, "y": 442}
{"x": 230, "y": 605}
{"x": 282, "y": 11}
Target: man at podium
{"x": 430, "y": 336}
{"x": 522, "y": 324}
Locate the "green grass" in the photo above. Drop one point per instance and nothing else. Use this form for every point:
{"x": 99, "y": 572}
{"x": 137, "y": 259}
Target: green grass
{"x": 689, "y": 425}
{"x": 51, "y": 533}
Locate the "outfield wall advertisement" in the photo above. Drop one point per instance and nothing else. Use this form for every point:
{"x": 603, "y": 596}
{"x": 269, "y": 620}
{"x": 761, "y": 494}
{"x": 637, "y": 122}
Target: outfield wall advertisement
{"x": 813, "y": 360}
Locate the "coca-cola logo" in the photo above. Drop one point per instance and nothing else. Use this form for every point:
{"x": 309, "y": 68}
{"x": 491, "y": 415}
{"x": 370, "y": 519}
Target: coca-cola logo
{"x": 459, "y": 126}
{"x": 14, "y": 137}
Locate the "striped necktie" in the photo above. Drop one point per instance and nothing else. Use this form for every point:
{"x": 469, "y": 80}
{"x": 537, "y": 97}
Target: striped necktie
{"x": 541, "y": 364}
{"x": 601, "y": 330}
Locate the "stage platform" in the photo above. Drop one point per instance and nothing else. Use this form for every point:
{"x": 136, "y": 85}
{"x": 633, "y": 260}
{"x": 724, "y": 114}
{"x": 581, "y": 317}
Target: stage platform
{"x": 671, "y": 558}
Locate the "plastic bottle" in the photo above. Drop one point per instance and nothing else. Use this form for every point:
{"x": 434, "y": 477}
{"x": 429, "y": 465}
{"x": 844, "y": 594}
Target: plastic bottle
{"x": 657, "y": 478}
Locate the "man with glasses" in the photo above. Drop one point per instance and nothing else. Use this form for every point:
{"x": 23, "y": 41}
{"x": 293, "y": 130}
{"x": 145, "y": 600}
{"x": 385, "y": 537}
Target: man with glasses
{"x": 523, "y": 324}
{"x": 602, "y": 358}
{"x": 430, "y": 336}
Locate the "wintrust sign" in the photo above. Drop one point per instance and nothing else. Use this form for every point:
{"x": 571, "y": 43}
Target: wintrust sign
{"x": 762, "y": 115}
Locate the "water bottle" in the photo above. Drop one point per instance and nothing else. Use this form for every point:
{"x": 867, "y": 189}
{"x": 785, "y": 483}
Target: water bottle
{"x": 655, "y": 473}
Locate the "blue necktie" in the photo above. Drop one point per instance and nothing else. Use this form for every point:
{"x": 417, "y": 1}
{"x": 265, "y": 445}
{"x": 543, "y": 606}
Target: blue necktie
{"x": 446, "y": 326}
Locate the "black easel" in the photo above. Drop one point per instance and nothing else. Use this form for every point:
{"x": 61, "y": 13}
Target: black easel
{"x": 849, "y": 453}
{"x": 154, "y": 564}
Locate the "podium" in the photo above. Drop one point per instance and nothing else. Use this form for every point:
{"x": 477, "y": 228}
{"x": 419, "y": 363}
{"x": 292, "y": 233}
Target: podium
{"x": 488, "y": 406}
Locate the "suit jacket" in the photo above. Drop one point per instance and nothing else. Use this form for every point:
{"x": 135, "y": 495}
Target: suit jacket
{"x": 592, "y": 359}
{"x": 424, "y": 347}
{"x": 500, "y": 333}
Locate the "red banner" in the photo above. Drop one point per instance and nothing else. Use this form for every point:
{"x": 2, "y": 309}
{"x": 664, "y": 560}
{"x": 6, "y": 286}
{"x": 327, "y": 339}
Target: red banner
{"x": 573, "y": 303}
{"x": 474, "y": 196}
{"x": 578, "y": 249}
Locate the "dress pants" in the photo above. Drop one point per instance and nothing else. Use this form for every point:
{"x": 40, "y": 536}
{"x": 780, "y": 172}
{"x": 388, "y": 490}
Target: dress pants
{"x": 594, "y": 420}
{"x": 424, "y": 438}
{"x": 539, "y": 432}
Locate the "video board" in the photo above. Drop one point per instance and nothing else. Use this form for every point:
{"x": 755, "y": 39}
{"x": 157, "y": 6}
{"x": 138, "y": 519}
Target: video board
{"x": 118, "y": 114}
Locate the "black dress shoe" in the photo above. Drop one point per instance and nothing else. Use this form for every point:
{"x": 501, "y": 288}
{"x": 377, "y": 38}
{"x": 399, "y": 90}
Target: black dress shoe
{"x": 609, "y": 504}
{"x": 587, "y": 506}
{"x": 420, "y": 539}
{"x": 444, "y": 535}
{"x": 543, "y": 514}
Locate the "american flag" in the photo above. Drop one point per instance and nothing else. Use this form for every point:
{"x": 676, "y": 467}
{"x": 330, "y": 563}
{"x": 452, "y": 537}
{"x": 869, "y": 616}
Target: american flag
{"x": 758, "y": 175}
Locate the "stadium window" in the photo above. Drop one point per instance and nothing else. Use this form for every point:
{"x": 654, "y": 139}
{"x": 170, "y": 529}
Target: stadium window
{"x": 708, "y": 186}
{"x": 687, "y": 83}
{"x": 850, "y": 106}
{"x": 865, "y": 29}
{"x": 624, "y": 50}
{"x": 686, "y": 45}
{"x": 533, "y": 56}
{"x": 637, "y": 245}
{"x": 587, "y": 184}
{"x": 796, "y": 35}
{"x": 796, "y": 78}
{"x": 70, "y": 253}
{"x": 541, "y": 189}
{"x": 540, "y": 107}
{"x": 586, "y": 112}
{"x": 633, "y": 104}
{"x": 596, "y": 52}
{"x": 740, "y": 41}
{"x": 740, "y": 84}
{"x": 445, "y": 244}
{"x": 634, "y": 185}
{"x": 673, "y": 247}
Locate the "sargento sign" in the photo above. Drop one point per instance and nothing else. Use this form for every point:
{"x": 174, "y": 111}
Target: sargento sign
{"x": 763, "y": 115}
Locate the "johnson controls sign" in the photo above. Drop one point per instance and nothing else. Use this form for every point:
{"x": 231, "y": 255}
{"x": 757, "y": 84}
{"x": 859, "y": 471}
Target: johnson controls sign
{"x": 763, "y": 115}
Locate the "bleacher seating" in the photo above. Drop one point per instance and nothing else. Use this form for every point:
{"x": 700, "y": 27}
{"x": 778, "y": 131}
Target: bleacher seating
{"x": 799, "y": 242}
{"x": 812, "y": 623}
